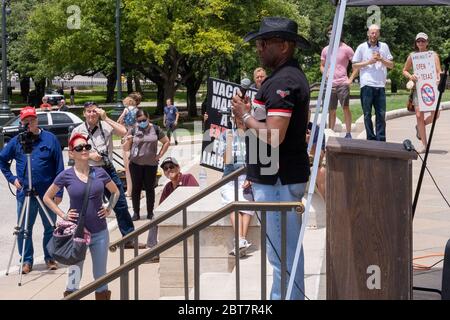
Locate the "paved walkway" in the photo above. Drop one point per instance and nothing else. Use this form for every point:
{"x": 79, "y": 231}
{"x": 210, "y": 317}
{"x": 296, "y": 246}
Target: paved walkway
{"x": 431, "y": 229}
{"x": 431, "y": 226}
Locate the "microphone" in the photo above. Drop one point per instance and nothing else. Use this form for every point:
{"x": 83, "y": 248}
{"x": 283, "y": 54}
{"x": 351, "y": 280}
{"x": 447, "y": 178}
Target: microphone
{"x": 245, "y": 85}
{"x": 408, "y": 145}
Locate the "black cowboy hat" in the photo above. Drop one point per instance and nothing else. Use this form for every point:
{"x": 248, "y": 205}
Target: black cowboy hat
{"x": 276, "y": 27}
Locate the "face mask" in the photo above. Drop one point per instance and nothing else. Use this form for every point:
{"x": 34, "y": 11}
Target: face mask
{"x": 143, "y": 125}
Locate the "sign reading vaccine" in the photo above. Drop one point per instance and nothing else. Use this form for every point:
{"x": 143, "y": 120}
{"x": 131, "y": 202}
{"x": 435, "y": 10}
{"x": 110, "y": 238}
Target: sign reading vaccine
{"x": 220, "y": 93}
{"x": 424, "y": 66}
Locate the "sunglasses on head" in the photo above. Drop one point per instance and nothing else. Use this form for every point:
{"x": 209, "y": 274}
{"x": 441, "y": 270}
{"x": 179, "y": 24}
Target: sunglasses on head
{"x": 170, "y": 166}
{"x": 80, "y": 147}
{"x": 89, "y": 103}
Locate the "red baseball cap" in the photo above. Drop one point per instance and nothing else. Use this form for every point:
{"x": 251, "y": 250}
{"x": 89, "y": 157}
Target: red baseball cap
{"x": 27, "y": 112}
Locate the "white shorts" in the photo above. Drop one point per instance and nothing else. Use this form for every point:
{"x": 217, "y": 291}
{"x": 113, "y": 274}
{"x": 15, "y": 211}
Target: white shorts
{"x": 227, "y": 193}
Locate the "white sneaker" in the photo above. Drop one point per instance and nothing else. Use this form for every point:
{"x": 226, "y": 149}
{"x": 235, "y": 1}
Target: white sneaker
{"x": 243, "y": 246}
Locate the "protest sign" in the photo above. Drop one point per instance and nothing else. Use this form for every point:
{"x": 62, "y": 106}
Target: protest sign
{"x": 424, "y": 66}
{"x": 218, "y": 108}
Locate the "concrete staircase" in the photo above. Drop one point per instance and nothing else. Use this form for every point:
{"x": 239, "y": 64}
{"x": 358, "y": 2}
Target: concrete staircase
{"x": 222, "y": 285}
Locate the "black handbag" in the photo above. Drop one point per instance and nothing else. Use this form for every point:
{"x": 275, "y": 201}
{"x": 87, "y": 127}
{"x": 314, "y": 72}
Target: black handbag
{"x": 68, "y": 247}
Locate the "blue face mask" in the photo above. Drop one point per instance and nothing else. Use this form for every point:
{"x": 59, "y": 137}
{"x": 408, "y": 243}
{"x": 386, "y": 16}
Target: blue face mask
{"x": 143, "y": 125}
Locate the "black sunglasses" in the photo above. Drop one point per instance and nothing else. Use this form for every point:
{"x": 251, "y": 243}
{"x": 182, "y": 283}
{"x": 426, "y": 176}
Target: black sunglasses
{"x": 80, "y": 147}
{"x": 170, "y": 166}
{"x": 142, "y": 120}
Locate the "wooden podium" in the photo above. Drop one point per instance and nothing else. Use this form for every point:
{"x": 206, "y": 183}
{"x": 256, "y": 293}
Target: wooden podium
{"x": 369, "y": 220}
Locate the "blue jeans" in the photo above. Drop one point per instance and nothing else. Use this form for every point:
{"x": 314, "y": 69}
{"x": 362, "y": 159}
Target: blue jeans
{"x": 376, "y": 97}
{"x": 283, "y": 193}
{"x": 34, "y": 208}
{"x": 121, "y": 209}
{"x": 98, "y": 247}
{"x": 231, "y": 167}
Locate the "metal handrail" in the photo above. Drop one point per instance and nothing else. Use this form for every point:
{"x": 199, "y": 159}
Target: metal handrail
{"x": 181, "y": 236}
{"x": 178, "y": 208}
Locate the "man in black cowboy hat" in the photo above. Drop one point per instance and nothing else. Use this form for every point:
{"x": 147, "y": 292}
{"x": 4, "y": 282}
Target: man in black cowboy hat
{"x": 282, "y": 136}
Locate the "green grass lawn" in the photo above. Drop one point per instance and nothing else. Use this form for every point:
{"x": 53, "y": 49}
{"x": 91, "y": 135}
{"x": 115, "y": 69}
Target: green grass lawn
{"x": 100, "y": 97}
{"x": 393, "y": 102}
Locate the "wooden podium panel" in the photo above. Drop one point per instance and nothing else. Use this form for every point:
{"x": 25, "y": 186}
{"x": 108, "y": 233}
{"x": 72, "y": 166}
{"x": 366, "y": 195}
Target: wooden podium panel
{"x": 369, "y": 220}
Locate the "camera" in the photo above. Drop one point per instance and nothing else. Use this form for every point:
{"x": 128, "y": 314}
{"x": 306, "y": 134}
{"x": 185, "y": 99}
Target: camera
{"x": 26, "y": 138}
{"x": 108, "y": 163}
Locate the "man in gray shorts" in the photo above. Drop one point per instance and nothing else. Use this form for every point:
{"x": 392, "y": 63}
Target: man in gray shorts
{"x": 341, "y": 84}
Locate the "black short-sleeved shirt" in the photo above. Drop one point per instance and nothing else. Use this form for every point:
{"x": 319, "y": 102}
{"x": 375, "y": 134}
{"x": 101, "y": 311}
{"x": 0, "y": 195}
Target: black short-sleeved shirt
{"x": 284, "y": 93}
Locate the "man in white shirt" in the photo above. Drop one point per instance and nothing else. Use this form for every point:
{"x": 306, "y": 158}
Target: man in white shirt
{"x": 372, "y": 58}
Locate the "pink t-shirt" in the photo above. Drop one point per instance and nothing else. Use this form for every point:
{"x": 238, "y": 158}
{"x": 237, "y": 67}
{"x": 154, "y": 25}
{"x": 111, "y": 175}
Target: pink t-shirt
{"x": 187, "y": 180}
{"x": 344, "y": 56}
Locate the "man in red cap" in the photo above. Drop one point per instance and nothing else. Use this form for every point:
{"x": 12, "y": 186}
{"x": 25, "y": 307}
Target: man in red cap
{"x": 46, "y": 164}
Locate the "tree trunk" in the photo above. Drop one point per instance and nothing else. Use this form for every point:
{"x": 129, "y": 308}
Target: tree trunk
{"x": 110, "y": 86}
{"x": 394, "y": 86}
{"x": 169, "y": 90}
{"x": 192, "y": 87}
{"x": 24, "y": 88}
{"x": 160, "y": 99}
{"x": 137, "y": 83}
{"x": 40, "y": 92}
{"x": 129, "y": 83}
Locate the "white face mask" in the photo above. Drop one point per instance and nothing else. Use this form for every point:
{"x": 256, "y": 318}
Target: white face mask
{"x": 143, "y": 125}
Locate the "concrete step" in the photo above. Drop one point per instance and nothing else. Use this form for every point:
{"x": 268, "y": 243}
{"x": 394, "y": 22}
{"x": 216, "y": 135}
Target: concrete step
{"x": 222, "y": 286}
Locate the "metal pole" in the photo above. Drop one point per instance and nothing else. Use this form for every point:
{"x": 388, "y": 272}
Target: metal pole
{"x": 334, "y": 45}
{"x": 5, "y": 111}
{"x": 119, "y": 106}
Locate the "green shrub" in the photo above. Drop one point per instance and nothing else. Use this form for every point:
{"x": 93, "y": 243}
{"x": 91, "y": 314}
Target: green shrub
{"x": 398, "y": 81}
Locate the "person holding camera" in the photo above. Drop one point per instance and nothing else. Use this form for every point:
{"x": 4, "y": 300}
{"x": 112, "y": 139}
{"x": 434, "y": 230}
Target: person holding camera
{"x": 46, "y": 163}
{"x": 99, "y": 129}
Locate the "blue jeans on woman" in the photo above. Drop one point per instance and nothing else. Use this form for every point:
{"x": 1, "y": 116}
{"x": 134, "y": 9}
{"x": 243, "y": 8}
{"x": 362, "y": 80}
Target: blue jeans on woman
{"x": 98, "y": 247}
{"x": 283, "y": 193}
{"x": 34, "y": 208}
{"x": 123, "y": 217}
{"x": 377, "y": 97}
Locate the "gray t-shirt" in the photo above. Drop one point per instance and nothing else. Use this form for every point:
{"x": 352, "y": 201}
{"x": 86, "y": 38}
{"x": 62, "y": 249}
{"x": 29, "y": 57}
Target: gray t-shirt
{"x": 100, "y": 142}
{"x": 145, "y": 145}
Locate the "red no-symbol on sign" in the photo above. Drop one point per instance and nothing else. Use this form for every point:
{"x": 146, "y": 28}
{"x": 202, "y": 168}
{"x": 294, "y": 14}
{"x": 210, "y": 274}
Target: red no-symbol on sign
{"x": 428, "y": 94}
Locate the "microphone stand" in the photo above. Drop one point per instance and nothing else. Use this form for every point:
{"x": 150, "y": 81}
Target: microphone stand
{"x": 441, "y": 89}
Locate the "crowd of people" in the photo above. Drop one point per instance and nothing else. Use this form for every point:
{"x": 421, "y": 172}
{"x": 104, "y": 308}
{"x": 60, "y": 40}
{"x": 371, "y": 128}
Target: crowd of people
{"x": 91, "y": 149}
{"x": 278, "y": 119}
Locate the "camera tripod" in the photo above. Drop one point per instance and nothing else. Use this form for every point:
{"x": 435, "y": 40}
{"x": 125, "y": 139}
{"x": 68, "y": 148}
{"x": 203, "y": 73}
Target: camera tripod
{"x": 24, "y": 215}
